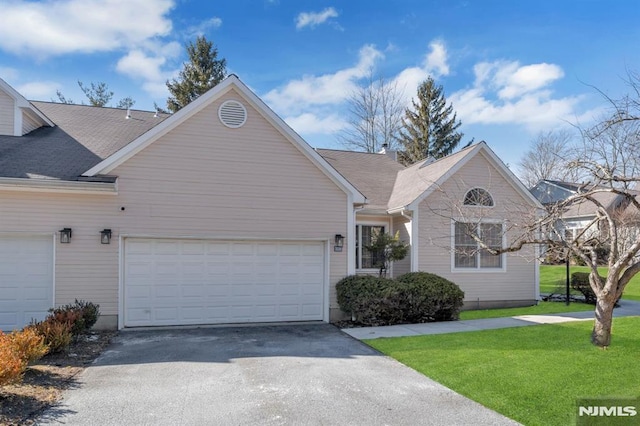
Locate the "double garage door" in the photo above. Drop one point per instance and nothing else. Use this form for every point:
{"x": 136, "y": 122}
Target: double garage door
{"x": 26, "y": 279}
{"x": 182, "y": 282}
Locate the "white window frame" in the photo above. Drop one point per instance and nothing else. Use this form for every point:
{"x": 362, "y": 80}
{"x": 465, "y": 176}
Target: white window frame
{"x": 477, "y": 269}
{"x": 358, "y": 253}
{"x": 493, "y": 200}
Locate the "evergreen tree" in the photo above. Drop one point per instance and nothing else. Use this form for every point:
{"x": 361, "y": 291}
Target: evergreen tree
{"x": 98, "y": 94}
{"x": 430, "y": 127}
{"x": 203, "y": 71}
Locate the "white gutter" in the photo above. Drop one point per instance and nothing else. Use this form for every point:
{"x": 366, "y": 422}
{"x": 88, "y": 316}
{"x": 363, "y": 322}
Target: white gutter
{"x": 46, "y": 185}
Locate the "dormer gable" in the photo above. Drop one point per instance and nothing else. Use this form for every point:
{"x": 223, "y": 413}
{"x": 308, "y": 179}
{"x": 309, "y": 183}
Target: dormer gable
{"x": 17, "y": 115}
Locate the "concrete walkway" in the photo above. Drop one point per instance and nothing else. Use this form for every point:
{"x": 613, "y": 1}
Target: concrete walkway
{"x": 627, "y": 308}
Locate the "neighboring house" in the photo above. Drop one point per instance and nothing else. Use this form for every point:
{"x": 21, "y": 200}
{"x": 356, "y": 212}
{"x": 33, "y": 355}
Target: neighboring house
{"x": 221, "y": 213}
{"x": 577, "y": 219}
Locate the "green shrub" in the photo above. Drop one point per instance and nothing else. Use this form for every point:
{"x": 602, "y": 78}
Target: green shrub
{"x": 90, "y": 313}
{"x": 428, "y": 297}
{"x": 57, "y": 335}
{"x": 366, "y": 298}
{"x": 412, "y": 298}
{"x": 580, "y": 282}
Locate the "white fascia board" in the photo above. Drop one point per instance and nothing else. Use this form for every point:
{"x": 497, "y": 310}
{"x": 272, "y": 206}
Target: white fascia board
{"x": 44, "y": 185}
{"x": 415, "y": 203}
{"x": 512, "y": 178}
{"x": 300, "y": 143}
{"x": 153, "y": 134}
{"x": 507, "y": 174}
{"x": 22, "y": 102}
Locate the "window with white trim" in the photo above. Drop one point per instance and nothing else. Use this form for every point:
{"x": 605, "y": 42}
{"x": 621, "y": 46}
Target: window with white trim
{"x": 478, "y": 197}
{"x": 469, "y": 254}
{"x": 365, "y": 235}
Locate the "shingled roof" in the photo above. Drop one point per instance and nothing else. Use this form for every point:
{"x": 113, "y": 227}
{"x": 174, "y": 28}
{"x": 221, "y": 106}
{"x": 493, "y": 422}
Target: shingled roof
{"x": 82, "y": 137}
{"x": 372, "y": 174}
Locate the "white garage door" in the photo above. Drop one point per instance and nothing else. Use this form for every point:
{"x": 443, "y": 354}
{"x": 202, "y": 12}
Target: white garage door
{"x": 26, "y": 279}
{"x": 180, "y": 282}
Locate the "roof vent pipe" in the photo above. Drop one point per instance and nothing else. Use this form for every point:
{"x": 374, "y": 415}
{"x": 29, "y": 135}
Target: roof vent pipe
{"x": 128, "y": 113}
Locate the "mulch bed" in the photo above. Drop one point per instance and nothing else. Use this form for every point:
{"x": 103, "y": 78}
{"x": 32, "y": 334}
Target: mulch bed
{"x": 45, "y": 381}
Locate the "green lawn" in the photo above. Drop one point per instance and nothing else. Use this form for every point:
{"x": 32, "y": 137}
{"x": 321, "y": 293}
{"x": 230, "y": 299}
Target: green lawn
{"x": 531, "y": 374}
{"x": 552, "y": 280}
{"x": 542, "y": 308}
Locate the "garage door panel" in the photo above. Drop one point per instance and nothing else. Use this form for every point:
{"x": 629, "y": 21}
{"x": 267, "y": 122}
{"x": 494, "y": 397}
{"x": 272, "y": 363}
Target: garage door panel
{"x": 26, "y": 279}
{"x": 199, "y": 282}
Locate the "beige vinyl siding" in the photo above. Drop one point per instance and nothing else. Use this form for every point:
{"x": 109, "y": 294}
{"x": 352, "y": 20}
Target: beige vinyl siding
{"x": 200, "y": 180}
{"x": 204, "y": 179}
{"x": 402, "y": 225}
{"x": 517, "y": 282}
{"x": 29, "y": 122}
{"x": 7, "y": 117}
{"x": 85, "y": 269}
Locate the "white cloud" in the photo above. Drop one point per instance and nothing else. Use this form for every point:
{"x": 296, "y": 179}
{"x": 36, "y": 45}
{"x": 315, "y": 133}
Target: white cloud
{"x": 436, "y": 61}
{"x": 434, "y": 64}
{"x": 204, "y": 26}
{"x": 507, "y": 92}
{"x": 309, "y": 123}
{"x": 8, "y": 73}
{"x": 39, "y": 90}
{"x": 312, "y": 19}
{"x": 51, "y": 28}
{"x": 148, "y": 65}
{"x": 325, "y": 89}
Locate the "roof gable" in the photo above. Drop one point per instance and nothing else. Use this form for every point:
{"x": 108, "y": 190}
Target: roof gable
{"x": 429, "y": 177}
{"x": 23, "y": 106}
{"x": 231, "y": 82}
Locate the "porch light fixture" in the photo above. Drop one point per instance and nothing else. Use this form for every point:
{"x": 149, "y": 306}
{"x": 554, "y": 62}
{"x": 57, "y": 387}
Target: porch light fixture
{"x": 339, "y": 242}
{"x": 65, "y": 235}
{"x": 105, "y": 236}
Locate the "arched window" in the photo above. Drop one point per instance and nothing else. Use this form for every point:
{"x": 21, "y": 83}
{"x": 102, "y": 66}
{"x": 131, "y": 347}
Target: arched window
{"x": 478, "y": 197}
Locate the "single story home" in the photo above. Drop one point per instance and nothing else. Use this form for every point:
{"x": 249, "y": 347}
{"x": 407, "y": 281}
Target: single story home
{"x": 221, "y": 213}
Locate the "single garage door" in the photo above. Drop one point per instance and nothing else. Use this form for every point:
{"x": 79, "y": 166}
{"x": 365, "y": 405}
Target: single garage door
{"x": 26, "y": 279}
{"x": 181, "y": 282}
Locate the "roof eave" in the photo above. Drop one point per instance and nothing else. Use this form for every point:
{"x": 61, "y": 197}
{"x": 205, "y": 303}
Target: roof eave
{"x": 51, "y": 185}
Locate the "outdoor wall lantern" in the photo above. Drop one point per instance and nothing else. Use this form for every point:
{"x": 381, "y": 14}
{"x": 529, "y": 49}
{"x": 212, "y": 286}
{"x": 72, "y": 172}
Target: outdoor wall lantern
{"x": 65, "y": 236}
{"x": 339, "y": 242}
{"x": 105, "y": 236}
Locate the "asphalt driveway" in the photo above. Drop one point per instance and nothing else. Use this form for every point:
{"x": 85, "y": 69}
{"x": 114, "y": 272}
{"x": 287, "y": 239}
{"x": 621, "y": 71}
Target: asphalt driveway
{"x": 266, "y": 375}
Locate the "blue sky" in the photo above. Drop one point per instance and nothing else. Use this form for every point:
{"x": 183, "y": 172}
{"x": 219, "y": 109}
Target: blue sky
{"x": 511, "y": 68}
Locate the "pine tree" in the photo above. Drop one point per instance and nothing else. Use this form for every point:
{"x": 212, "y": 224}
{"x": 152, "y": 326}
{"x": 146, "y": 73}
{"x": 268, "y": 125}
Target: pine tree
{"x": 203, "y": 71}
{"x": 430, "y": 127}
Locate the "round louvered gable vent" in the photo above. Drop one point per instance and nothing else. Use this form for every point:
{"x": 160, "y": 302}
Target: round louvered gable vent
{"x": 232, "y": 114}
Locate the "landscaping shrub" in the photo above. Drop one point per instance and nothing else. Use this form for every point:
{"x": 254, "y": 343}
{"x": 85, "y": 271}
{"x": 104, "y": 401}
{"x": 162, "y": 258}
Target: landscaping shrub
{"x": 580, "y": 282}
{"x": 57, "y": 335}
{"x": 12, "y": 366}
{"x": 412, "y": 298}
{"x": 428, "y": 297}
{"x": 90, "y": 313}
{"x": 17, "y": 350}
{"x": 80, "y": 315}
{"x": 28, "y": 344}
{"x": 365, "y": 298}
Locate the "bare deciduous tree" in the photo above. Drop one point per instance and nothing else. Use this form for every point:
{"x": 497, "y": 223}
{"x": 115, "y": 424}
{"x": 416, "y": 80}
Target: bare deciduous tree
{"x": 375, "y": 116}
{"x": 548, "y": 157}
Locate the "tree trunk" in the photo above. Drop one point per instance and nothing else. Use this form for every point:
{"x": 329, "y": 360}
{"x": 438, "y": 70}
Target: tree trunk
{"x": 601, "y": 334}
